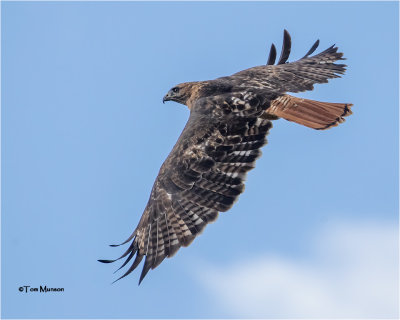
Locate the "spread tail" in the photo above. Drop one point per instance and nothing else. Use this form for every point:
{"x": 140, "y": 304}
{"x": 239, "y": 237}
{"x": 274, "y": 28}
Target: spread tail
{"x": 313, "y": 114}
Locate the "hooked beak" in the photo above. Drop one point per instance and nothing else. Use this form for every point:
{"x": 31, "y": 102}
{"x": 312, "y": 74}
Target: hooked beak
{"x": 166, "y": 98}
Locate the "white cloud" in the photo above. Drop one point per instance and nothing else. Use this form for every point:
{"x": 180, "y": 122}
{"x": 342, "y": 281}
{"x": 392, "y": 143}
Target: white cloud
{"x": 352, "y": 273}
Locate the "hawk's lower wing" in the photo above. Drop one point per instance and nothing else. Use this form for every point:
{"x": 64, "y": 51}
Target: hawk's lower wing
{"x": 203, "y": 175}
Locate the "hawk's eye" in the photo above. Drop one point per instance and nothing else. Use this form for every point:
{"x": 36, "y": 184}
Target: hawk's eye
{"x": 175, "y": 90}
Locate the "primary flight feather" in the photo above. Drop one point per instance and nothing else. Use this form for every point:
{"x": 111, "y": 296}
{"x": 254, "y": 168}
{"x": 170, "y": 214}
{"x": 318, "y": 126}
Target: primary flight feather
{"x": 229, "y": 120}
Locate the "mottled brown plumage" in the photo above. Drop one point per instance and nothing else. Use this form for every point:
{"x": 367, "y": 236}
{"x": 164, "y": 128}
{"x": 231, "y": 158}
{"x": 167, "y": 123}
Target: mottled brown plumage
{"x": 229, "y": 120}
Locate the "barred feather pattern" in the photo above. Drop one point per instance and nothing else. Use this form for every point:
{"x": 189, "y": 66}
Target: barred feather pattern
{"x": 203, "y": 175}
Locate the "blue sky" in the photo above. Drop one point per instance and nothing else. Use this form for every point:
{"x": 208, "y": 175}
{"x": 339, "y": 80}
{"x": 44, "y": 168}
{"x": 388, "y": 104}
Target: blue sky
{"x": 84, "y": 133}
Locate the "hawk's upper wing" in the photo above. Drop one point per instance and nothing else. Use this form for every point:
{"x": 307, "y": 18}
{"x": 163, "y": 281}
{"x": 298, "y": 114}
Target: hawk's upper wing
{"x": 296, "y": 76}
{"x": 203, "y": 174}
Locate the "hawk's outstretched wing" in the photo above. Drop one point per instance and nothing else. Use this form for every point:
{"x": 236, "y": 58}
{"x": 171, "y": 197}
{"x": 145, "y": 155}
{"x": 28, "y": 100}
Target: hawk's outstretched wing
{"x": 297, "y": 76}
{"x": 203, "y": 175}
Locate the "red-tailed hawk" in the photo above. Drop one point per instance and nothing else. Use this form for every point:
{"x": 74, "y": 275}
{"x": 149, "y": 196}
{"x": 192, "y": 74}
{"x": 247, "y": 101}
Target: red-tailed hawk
{"x": 229, "y": 120}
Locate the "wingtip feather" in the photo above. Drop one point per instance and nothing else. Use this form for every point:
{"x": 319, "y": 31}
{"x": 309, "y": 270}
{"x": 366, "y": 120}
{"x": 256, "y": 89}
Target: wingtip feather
{"x": 145, "y": 270}
{"x": 286, "y": 47}
{"x": 312, "y": 49}
{"x": 106, "y": 261}
{"x": 272, "y": 55}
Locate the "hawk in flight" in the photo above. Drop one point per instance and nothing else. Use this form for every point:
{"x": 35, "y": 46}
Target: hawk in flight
{"x": 229, "y": 120}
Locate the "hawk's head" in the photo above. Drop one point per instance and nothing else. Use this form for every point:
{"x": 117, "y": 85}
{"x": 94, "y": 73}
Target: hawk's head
{"x": 180, "y": 93}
